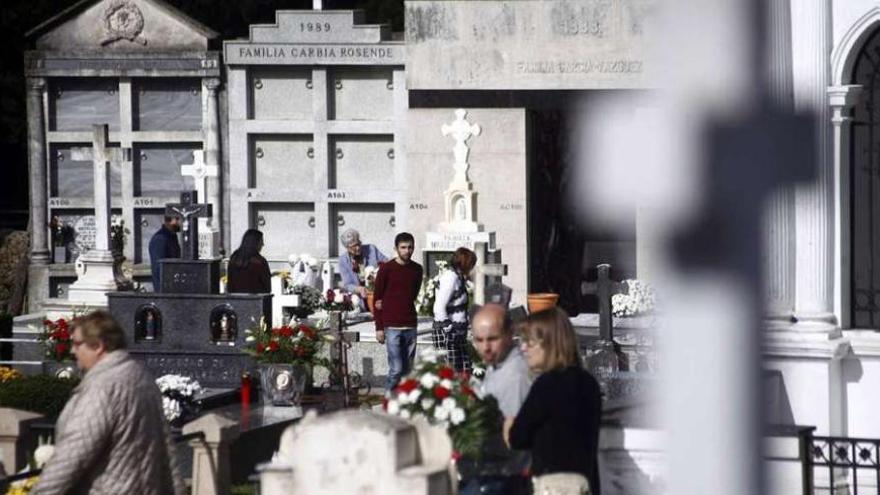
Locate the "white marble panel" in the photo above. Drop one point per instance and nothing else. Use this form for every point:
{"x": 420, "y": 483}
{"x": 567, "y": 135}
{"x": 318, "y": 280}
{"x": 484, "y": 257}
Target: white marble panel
{"x": 163, "y": 104}
{"x": 77, "y": 104}
{"x": 375, "y": 222}
{"x": 362, "y": 162}
{"x": 83, "y": 223}
{"x": 75, "y": 179}
{"x": 281, "y": 93}
{"x": 157, "y": 169}
{"x": 362, "y": 93}
{"x": 282, "y": 162}
{"x": 287, "y": 228}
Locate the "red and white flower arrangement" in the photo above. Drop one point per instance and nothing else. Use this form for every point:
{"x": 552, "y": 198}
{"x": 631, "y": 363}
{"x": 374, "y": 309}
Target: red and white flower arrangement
{"x": 56, "y": 339}
{"x": 436, "y": 392}
{"x": 287, "y": 344}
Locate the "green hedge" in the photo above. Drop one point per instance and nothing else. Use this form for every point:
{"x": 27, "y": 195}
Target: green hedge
{"x": 41, "y": 394}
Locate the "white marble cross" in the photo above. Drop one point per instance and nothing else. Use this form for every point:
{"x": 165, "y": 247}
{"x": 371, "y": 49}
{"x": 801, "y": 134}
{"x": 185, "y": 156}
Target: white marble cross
{"x": 461, "y": 130}
{"x": 200, "y": 172}
{"x": 101, "y": 157}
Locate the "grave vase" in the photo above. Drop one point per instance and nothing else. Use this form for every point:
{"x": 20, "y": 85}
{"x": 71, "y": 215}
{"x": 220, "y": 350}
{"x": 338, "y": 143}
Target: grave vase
{"x": 541, "y": 301}
{"x": 371, "y": 301}
{"x": 61, "y": 369}
{"x": 282, "y": 384}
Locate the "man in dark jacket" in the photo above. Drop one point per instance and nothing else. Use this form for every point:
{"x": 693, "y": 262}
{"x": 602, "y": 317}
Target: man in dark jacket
{"x": 163, "y": 245}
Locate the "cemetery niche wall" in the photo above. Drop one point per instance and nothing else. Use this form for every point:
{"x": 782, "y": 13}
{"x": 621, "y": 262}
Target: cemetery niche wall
{"x": 317, "y": 108}
{"x": 147, "y": 71}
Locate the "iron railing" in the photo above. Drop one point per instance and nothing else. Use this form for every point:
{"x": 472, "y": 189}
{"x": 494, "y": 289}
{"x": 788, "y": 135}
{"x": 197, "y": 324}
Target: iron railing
{"x": 852, "y": 464}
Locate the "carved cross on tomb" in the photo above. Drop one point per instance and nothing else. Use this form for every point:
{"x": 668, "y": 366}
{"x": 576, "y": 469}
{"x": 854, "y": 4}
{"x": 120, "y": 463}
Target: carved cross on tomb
{"x": 189, "y": 210}
{"x": 200, "y": 172}
{"x": 101, "y": 156}
{"x": 461, "y": 130}
{"x": 604, "y": 288}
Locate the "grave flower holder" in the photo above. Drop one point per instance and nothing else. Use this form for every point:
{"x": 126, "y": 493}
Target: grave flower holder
{"x": 282, "y": 384}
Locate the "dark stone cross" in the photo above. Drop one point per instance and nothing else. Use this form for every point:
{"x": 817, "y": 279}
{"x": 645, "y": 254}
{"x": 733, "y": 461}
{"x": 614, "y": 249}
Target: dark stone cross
{"x": 189, "y": 210}
{"x": 604, "y": 288}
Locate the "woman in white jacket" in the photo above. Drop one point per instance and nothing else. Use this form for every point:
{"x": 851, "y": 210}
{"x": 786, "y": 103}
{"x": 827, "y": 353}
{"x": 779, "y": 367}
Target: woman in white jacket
{"x": 451, "y": 310}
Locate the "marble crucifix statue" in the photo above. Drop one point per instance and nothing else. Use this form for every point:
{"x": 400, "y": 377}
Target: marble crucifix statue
{"x": 98, "y": 272}
{"x": 460, "y": 197}
{"x": 209, "y": 233}
{"x": 190, "y": 211}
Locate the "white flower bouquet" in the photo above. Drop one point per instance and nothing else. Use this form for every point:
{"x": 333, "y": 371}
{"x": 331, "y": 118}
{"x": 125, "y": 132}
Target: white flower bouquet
{"x": 434, "y": 391}
{"x": 640, "y": 299}
{"x": 178, "y": 394}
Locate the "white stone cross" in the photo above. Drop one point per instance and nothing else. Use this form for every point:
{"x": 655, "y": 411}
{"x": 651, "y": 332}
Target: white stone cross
{"x": 200, "y": 172}
{"x": 101, "y": 157}
{"x": 461, "y": 130}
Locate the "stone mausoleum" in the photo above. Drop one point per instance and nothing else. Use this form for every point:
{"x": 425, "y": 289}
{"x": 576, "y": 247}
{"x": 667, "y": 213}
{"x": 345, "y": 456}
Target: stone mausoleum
{"x": 320, "y": 122}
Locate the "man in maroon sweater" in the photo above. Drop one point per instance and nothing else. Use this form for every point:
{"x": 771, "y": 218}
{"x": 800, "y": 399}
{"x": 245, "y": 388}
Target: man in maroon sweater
{"x": 397, "y": 286}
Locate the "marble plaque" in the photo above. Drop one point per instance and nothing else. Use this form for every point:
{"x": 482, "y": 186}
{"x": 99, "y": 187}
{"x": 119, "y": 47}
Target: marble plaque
{"x": 146, "y": 223}
{"x": 375, "y": 222}
{"x": 288, "y": 228}
{"x": 281, "y": 93}
{"x": 77, "y": 104}
{"x": 450, "y": 241}
{"x": 165, "y": 104}
{"x": 84, "y": 231}
{"x": 362, "y": 93}
{"x": 157, "y": 169}
{"x": 527, "y": 44}
{"x": 74, "y": 178}
{"x": 282, "y": 162}
{"x": 362, "y": 162}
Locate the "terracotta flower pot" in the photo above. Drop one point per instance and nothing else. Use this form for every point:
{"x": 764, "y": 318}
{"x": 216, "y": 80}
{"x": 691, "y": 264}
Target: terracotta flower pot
{"x": 541, "y": 301}
{"x": 371, "y": 301}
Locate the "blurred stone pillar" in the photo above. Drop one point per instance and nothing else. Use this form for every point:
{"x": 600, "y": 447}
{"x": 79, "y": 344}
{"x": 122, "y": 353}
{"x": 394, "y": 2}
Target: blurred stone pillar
{"x": 36, "y": 87}
{"x": 779, "y": 216}
{"x": 814, "y": 203}
{"x": 12, "y": 429}
{"x": 211, "y": 467}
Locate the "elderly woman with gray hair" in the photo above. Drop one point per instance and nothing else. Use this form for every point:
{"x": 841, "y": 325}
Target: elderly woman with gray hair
{"x": 356, "y": 257}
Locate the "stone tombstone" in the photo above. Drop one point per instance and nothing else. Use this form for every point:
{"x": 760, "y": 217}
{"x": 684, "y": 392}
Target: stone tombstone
{"x": 498, "y": 293}
{"x": 286, "y": 227}
{"x": 529, "y": 44}
{"x": 285, "y": 161}
{"x": 317, "y": 111}
{"x": 381, "y": 454}
{"x": 376, "y": 223}
{"x": 189, "y": 325}
{"x": 190, "y": 276}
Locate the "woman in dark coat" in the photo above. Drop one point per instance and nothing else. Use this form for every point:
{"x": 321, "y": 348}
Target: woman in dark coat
{"x": 559, "y": 420}
{"x": 248, "y": 272}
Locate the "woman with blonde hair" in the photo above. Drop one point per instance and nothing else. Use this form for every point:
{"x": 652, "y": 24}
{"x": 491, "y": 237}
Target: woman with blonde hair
{"x": 559, "y": 420}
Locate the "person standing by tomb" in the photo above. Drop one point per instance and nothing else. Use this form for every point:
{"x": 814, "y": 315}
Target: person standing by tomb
{"x": 559, "y": 420}
{"x": 164, "y": 245}
{"x": 112, "y": 436}
{"x": 356, "y": 257}
{"x": 397, "y": 286}
{"x": 450, "y": 328}
{"x": 507, "y": 372}
{"x": 248, "y": 271}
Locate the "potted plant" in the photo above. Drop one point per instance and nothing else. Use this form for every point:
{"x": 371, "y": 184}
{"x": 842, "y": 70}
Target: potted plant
{"x": 57, "y": 340}
{"x": 543, "y": 300}
{"x": 285, "y": 357}
{"x": 437, "y": 393}
{"x": 178, "y": 397}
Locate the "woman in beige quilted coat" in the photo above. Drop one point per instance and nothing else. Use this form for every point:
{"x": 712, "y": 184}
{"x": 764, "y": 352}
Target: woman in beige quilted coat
{"x": 111, "y": 437}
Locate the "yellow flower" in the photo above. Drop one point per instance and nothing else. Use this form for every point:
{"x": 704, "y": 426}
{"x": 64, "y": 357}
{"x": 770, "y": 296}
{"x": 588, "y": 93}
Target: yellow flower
{"x": 9, "y": 374}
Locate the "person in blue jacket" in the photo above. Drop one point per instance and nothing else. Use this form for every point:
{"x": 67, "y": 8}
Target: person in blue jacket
{"x": 164, "y": 244}
{"x": 356, "y": 256}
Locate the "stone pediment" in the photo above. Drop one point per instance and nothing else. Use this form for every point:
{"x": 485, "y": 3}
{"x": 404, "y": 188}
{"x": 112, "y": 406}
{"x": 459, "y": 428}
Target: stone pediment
{"x": 139, "y": 26}
{"x": 316, "y": 37}
{"x": 313, "y": 26}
